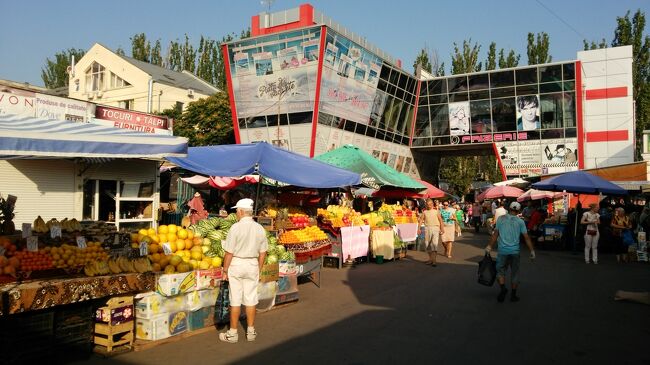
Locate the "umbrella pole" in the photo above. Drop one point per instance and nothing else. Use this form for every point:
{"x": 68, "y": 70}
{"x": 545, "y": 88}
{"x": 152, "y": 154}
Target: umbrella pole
{"x": 575, "y": 228}
{"x": 257, "y": 192}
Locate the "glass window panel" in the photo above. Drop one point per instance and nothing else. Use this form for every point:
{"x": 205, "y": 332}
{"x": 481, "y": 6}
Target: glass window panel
{"x": 391, "y": 125}
{"x": 527, "y": 90}
{"x": 361, "y": 129}
{"x": 479, "y": 82}
{"x": 382, "y": 85}
{"x": 338, "y": 122}
{"x": 569, "y": 85}
{"x": 409, "y": 121}
{"x": 439, "y": 141}
{"x": 458, "y": 97}
{"x": 502, "y": 78}
{"x": 550, "y": 87}
{"x": 569, "y": 71}
{"x": 401, "y": 120}
{"x": 402, "y": 81}
{"x": 440, "y": 119}
{"x": 257, "y": 122}
{"x": 437, "y": 99}
{"x": 324, "y": 119}
{"x": 421, "y": 141}
{"x": 284, "y": 119}
{"x": 504, "y": 115}
{"x": 242, "y": 123}
{"x": 437, "y": 86}
{"x": 389, "y": 136}
{"x": 569, "y": 110}
{"x": 503, "y": 92}
{"x": 457, "y": 83}
{"x": 550, "y": 73}
{"x": 411, "y": 85}
{"x": 384, "y": 73}
{"x": 570, "y": 133}
{"x": 424, "y": 100}
{"x": 385, "y": 118}
{"x": 530, "y": 135}
{"x": 391, "y": 90}
{"x": 394, "y": 76}
{"x": 526, "y": 76}
{"x": 551, "y": 110}
{"x": 399, "y": 93}
{"x": 476, "y": 95}
{"x": 480, "y": 116}
{"x": 552, "y": 133}
{"x": 272, "y": 120}
{"x": 422, "y": 124}
{"x": 423, "y": 89}
{"x": 371, "y": 132}
{"x": 300, "y": 118}
{"x": 380, "y": 134}
{"x": 350, "y": 126}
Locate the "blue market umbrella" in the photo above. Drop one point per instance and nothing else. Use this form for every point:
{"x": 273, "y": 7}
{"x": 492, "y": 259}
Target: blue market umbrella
{"x": 580, "y": 182}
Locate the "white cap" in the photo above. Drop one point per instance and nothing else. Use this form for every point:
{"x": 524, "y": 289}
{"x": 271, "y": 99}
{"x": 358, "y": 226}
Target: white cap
{"x": 515, "y": 206}
{"x": 245, "y": 204}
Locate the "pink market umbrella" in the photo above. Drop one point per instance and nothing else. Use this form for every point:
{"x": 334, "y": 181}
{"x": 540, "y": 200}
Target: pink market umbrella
{"x": 431, "y": 192}
{"x": 534, "y": 194}
{"x": 496, "y": 192}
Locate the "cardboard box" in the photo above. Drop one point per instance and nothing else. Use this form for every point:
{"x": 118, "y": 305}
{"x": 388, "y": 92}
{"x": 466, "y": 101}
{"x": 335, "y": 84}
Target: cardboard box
{"x": 151, "y": 304}
{"x": 288, "y": 284}
{"x": 161, "y": 326}
{"x": 270, "y": 272}
{"x": 208, "y": 297}
{"x": 287, "y": 267}
{"x": 201, "y": 318}
{"x": 266, "y": 293}
{"x": 209, "y": 278}
{"x": 286, "y": 298}
{"x": 115, "y": 316}
{"x": 174, "y": 284}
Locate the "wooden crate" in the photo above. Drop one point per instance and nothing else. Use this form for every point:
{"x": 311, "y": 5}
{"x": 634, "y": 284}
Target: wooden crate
{"x": 114, "y": 337}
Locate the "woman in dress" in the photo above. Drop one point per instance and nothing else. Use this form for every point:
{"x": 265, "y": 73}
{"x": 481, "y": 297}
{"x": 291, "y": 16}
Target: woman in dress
{"x": 620, "y": 222}
{"x": 591, "y": 219}
{"x": 449, "y": 221}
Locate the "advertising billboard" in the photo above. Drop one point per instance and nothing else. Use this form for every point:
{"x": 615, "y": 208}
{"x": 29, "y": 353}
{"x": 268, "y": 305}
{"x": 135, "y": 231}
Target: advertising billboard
{"x": 126, "y": 119}
{"x": 537, "y": 157}
{"x": 459, "y": 118}
{"x": 57, "y": 108}
{"x": 17, "y": 102}
{"x": 278, "y": 77}
{"x": 349, "y": 80}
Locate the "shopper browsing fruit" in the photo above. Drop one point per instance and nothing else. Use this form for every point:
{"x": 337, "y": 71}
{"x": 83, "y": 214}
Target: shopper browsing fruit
{"x": 245, "y": 248}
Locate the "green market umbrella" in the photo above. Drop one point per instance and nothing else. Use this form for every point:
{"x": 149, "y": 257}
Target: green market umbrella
{"x": 374, "y": 173}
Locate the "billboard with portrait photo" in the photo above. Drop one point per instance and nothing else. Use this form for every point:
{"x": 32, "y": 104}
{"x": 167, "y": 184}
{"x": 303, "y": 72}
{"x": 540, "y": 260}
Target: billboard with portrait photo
{"x": 459, "y": 115}
{"x": 528, "y": 113}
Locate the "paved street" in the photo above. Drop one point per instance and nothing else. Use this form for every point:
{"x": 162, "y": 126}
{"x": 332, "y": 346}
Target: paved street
{"x": 407, "y": 312}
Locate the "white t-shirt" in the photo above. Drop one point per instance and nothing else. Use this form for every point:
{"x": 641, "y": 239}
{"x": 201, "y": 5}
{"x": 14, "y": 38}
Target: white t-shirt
{"x": 590, "y": 217}
{"x": 246, "y": 239}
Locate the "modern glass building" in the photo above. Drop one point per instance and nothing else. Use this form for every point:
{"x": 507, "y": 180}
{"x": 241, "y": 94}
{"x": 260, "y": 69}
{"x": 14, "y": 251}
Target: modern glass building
{"x": 308, "y": 84}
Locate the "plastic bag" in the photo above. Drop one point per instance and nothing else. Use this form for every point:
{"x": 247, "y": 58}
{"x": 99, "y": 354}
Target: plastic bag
{"x": 222, "y": 306}
{"x": 487, "y": 271}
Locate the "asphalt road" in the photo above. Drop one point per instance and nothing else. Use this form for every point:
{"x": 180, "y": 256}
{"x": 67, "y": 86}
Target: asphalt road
{"x": 407, "y": 312}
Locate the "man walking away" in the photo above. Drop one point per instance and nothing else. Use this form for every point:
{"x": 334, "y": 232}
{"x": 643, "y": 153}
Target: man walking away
{"x": 245, "y": 247}
{"x": 476, "y": 216}
{"x": 509, "y": 229}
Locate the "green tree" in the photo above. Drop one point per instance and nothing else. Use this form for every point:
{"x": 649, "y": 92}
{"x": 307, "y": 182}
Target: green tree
{"x": 491, "y": 62}
{"x": 120, "y": 51}
{"x": 512, "y": 60}
{"x": 205, "y": 67}
{"x": 423, "y": 60}
{"x": 206, "y": 121}
{"x": 188, "y": 56}
{"x": 54, "y": 73}
{"x": 465, "y": 60}
{"x": 174, "y": 56}
{"x": 538, "y": 49}
{"x": 593, "y": 45}
{"x": 440, "y": 71}
{"x": 156, "y": 54}
{"x": 631, "y": 32}
{"x": 140, "y": 47}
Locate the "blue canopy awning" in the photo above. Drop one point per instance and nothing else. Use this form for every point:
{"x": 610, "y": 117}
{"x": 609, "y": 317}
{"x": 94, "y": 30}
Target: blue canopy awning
{"x": 580, "y": 182}
{"x": 27, "y": 137}
{"x": 272, "y": 162}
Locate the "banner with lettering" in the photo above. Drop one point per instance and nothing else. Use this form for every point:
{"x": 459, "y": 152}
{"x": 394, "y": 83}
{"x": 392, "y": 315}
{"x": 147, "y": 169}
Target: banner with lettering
{"x": 57, "y": 108}
{"x": 126, "y": 119}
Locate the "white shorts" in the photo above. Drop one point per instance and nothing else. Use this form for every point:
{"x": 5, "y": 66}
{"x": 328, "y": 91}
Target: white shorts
{"x": 243, "y": 275}
{"x": 431, "y": 238}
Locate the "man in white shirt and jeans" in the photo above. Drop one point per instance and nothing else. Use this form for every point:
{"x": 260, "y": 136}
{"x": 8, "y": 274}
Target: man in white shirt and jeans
{"x": 245, "y": 247}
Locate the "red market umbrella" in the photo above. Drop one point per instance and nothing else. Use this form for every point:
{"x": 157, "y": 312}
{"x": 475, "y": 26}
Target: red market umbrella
{"x": 432, "y": 191}
{"x": 534, "y": 194}
{"x": 500, "y": 192}
{"x": 227, "y": 183}
{"x": 396, "y": 194}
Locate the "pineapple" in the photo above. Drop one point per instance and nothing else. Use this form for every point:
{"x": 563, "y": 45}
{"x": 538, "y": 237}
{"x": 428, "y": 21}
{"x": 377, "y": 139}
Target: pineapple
{"x": 6, "y": 217}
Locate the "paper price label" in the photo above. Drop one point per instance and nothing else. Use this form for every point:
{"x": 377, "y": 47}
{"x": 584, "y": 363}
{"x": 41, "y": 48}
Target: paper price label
{"x": 81, "y": 242}
{"x": 144, "y": 249}
{"x": 55, "y": 231}
{"x": 27, "y": 230}
{"x": 116, "y": 240}
{"x": 32, "y": 244}
{"x": 167, "y": 248}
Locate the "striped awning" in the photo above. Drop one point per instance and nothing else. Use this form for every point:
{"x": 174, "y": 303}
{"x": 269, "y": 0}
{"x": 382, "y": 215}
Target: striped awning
{"x": 28, "y": 137}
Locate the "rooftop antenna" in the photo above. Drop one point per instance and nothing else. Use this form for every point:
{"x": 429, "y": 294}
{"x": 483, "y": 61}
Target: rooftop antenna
{"x": 268, "y": 4}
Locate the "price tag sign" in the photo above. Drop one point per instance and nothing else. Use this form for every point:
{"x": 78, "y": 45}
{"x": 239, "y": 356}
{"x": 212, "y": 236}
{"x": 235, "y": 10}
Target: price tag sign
{"x": 27, "y": 230}
{"x": 144, "y": 249}
{"x": 32, "y": 244}
{"x": 55, "y": 231}
{"x": 116, "y": 240}
{"x": 167, "y": 248}
{"x": 81, "y": 242}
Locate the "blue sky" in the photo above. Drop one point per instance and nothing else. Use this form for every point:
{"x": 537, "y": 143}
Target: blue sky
{"x": 37, "y": 29}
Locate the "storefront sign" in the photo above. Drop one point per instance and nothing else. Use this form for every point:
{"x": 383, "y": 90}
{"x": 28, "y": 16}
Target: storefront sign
{"x": 126, "y": 119}
{"x": 487, "y": 138}
{"x": 17, "y": 102}
{"x": 57, "y": 108}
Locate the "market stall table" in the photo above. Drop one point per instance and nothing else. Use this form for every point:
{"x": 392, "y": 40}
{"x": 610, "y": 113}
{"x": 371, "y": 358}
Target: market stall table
{"x": 383, "y": 243}
{"x": 42, "y": 294}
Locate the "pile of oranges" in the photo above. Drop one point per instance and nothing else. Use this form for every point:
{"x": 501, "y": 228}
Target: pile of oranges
{"x": 34, "y": 261}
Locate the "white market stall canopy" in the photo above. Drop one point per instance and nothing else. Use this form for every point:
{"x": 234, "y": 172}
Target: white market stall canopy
{"x": 27, "y": 137}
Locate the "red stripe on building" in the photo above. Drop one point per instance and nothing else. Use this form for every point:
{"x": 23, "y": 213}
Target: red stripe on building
{"x": 498, "y": 156}
{"x": 314, "y": 118}
{"x": 607, "y": 93}
{"x": 306, "y": 19}
{"x": 608, "y": 136}
{"x": 415, "y": 114}
{"x": 581, "y": 135}
{"x": 231, "y": 93}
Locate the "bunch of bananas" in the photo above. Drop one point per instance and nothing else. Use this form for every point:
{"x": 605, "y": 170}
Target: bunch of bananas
{"x": 117, "y": 266}
{"x": 71, "y": 225}
{"x": 39, "y": 225}
{"x": 67, "y": 225}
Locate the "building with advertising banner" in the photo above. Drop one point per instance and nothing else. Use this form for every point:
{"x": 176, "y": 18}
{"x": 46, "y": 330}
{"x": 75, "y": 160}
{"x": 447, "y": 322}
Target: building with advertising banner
{"x": 308, "y": 84}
